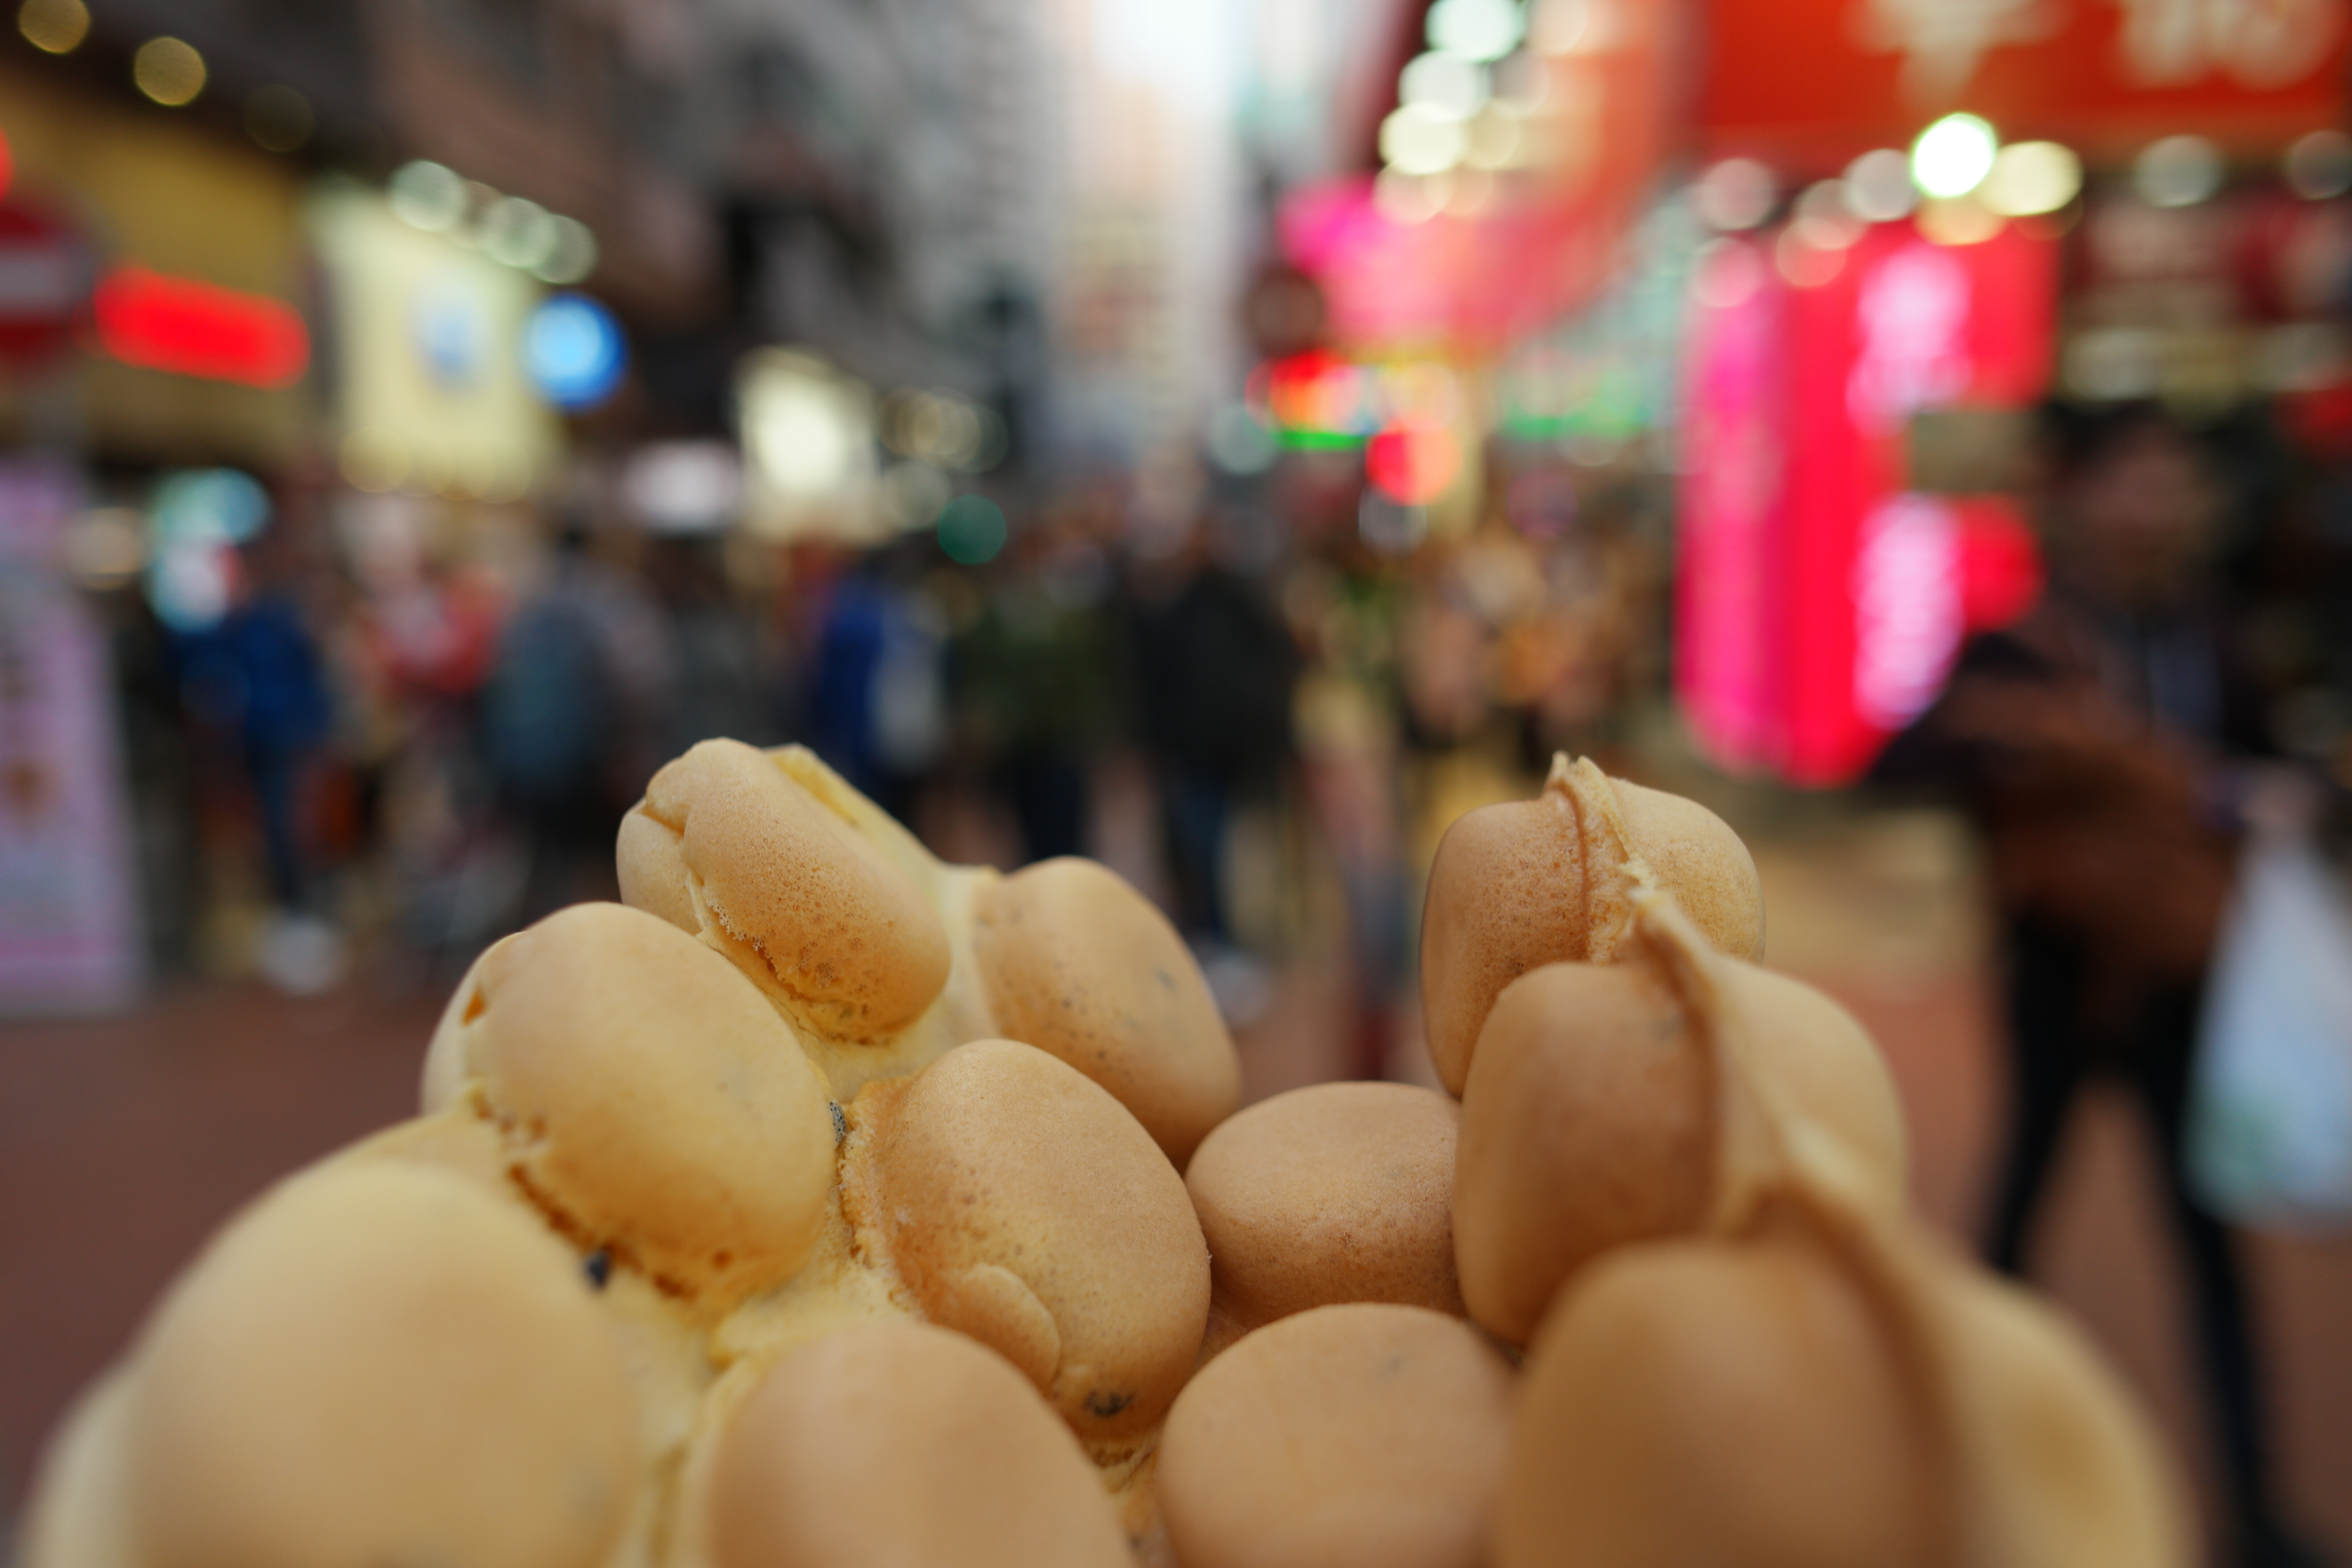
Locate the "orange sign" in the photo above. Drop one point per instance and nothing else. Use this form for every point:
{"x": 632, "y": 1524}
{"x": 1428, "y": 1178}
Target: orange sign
{"x": 1807, "y": 84}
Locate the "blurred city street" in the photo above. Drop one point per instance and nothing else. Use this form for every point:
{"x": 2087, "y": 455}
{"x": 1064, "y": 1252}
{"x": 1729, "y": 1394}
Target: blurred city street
{"x": 1232, "y": 442}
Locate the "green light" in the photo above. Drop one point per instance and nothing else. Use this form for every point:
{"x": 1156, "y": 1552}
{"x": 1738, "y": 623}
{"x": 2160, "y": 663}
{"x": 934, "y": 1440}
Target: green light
{"x": 971, "y": 529}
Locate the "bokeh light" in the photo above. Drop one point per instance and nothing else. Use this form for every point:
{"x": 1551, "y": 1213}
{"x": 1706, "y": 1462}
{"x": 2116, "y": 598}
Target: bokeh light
{"x": 427, "y": 196}
{"x": 573, "y": 257}
{"x": 2318, "y": 167}
{"x": 1804, "y": 264}
{"x": 573, "y": 352}
{"x": 2028, "y": 178}
{"x": 1953, "y": 156}
{"x": 1450, "y": 86}
{"x": 1414, "y": 464}
{"x": 1737, "y": 193}
{"x": 972, "y": 531}
{"x": 1238, "y": 443}
{"x": 1408, "y": 199}
{"x": 520, "y": 233}
{"x": 1478, "y": 29}
{"x": 220, "y": 505}
{"x": 278, "y": 119}
{"x": 1959, "y": 220}
{"x": 2178, "y": 172}
{"x": 1415, "y": 140}
{"x": 1825, "y": 217}
{"x": 912, "y": 494}
{"x": 107, "y": 549}
{"x": 1562, "y": 26}
{"x": 1878, "y": 188}
{"x": 169, "y": 71}
{"x": 54, "y": 27}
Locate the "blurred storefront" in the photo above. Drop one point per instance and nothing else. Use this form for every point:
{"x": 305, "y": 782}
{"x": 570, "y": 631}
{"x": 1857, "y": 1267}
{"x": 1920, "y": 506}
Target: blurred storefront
{"x": 193, "y": 350}
{"x": 1927, "y": 222}
{"x": 431, "y": 388}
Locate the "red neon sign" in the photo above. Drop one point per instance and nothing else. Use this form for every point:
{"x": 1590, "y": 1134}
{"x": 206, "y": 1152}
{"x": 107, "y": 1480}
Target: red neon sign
{"x": 1821, "y": 603}
{"x": 188, "y": 328}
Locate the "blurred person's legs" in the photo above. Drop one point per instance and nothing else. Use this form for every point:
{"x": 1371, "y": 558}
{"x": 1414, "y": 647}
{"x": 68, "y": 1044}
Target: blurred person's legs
{"x": 1196, "y": 805}
{"x": 301, "y": 952}
{"x": 2051, "y": 1055}
{"x": 2047, "y": 1063}
{"x": 1049, "y": 801}
{"x": 273, "y": 775}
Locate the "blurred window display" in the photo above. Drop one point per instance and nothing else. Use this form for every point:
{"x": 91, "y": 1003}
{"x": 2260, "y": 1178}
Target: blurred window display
{"x": 433, "y": 387}
{"x": 808, "y": 444}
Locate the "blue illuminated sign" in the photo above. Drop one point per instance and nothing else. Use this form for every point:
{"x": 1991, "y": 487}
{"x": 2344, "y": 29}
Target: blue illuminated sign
{"x": 573, "y": 350}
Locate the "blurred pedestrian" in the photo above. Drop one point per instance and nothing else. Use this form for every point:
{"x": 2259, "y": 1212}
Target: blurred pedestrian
{"x": 878, "y": 704}
{"x": 1033, "y": 679}
{"x": 1214, "y": 671}
{"x": 570, "y": 717}
{"x": 2092, "y": 739}
{"x": 256, "y": 682}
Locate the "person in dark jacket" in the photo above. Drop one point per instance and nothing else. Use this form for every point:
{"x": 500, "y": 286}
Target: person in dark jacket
{"x": 2091, "y": 742}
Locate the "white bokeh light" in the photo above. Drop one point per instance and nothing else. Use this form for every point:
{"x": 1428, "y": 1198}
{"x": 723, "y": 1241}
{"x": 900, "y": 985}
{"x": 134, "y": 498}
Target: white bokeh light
{"x": 1953, "y": 156}
{"x": 1416, "y": 141}
{"x": 2030, "y": 178}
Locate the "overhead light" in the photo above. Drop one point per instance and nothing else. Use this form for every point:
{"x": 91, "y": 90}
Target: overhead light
{"x": 1953, "y": 156}
{"x": 2030, "y": 178}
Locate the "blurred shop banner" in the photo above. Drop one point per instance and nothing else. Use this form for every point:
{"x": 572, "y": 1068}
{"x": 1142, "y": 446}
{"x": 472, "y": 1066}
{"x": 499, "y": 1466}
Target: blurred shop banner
{"x": 1822, "y": 602}
{"x": 44, "y": 276}
{"x": 1809, "y": 83}
{"x": 70, "y": 930}
{"x": 1516, "y": 216}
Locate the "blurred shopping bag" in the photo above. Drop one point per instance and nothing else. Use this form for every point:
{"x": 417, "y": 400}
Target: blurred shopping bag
{"x": 2270, "y": 1133}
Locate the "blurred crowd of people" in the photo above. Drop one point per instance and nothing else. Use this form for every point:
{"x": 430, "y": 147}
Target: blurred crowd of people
{"x": 415, "y": 730}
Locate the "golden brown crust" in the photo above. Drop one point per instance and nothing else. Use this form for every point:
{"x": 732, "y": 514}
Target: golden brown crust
{"x": 1527, "y": 883}
{"x": 1588, "y": 1122}
{"x": 1817, "y": 1382}
{"x": 1079, "y": 964}
{"x": 1019, "y": 1203}
{"x": 1347, "y": 1437}
{"x": 379, "y": 1363}
{"x": 1592, "y": 1117}
{"x": 651, "y": 1101}
{"x": 1697, "y": 1402}
{"x": 898, "y": 1444}
{"x": 1340, "y": 1192}
{"x": 784, "y": 884}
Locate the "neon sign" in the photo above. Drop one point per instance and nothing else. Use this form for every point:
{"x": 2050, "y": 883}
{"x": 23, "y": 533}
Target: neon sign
{"x": 187, "y": 328}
